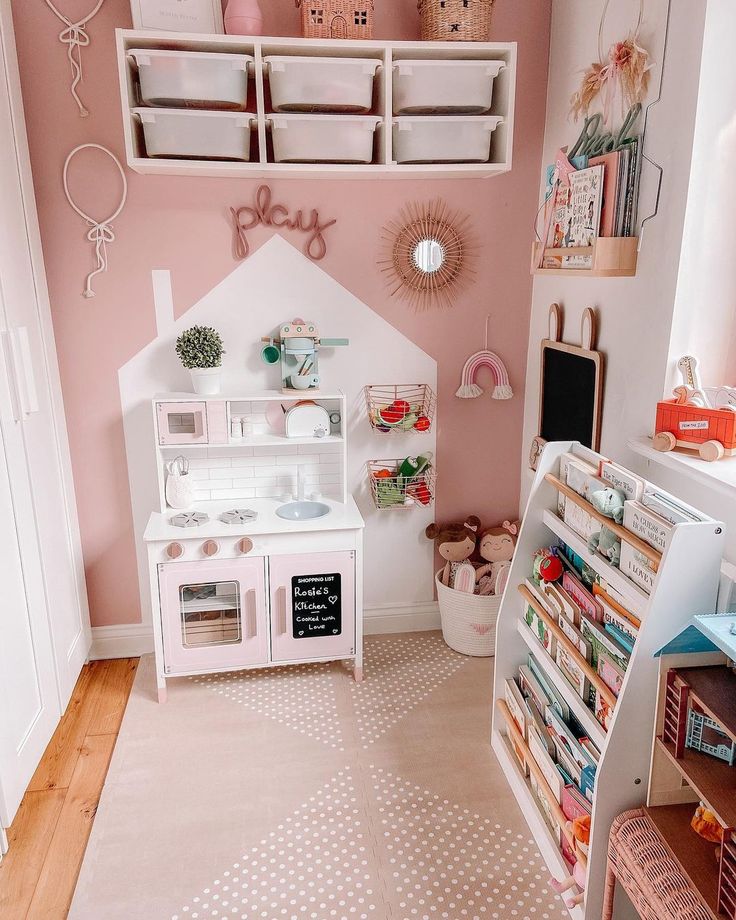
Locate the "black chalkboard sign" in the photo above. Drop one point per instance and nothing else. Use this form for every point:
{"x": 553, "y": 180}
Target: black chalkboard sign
{"x": 569, "y": 396}
{"x": 316, "y": 605}
{"x": 571, "y": 393}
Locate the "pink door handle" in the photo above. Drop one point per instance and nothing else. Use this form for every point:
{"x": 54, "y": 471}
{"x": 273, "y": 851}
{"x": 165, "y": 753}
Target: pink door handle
{"x": 251, "y": 615}
{"x": 281, "y": 595}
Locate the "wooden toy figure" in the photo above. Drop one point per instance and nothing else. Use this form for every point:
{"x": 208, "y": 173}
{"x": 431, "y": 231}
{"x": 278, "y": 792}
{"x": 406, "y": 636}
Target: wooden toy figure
{"x": 455, "y": 542}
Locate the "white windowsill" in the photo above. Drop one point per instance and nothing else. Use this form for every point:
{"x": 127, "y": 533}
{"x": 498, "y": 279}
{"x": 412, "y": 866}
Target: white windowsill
{"x": 719, "y": 475}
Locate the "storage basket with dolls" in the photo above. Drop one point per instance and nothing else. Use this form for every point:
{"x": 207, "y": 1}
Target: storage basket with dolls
{"x": 471, "y": 584}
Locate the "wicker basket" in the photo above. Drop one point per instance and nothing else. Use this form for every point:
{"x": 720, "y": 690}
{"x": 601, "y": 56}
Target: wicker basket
{"x": 337, "y": 19}
{"x": 452, "y": 21}
{"x": 468, "y": 620}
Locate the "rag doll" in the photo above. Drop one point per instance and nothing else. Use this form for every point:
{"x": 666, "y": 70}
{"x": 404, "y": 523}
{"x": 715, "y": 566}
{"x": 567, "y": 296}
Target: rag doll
{"x": 580, "y": 829}
{"x": 455, "y": 542}
{"x": 496, "y": 547}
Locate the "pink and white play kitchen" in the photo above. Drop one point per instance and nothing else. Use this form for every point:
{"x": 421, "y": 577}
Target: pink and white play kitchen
{"x": 263, "y": 567}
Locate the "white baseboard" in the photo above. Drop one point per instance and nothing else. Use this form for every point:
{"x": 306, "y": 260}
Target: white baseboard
{"x": 135, "y": 639}
{"x": 124, "y": 641}
{"x": 397, "y": 618}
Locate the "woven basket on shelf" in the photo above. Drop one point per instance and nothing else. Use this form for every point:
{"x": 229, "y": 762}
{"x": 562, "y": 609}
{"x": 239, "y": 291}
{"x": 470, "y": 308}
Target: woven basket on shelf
{"x": 468, "y": 620}
{"x": 454, "y": 21}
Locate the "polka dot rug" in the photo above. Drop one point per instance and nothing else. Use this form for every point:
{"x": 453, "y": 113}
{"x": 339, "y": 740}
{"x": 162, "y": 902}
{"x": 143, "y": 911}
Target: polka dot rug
{"x": 296, "y": 794}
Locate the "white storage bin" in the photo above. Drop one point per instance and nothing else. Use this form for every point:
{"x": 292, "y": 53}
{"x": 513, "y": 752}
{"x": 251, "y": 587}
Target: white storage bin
{"x": 196, "y": 135}
{"x": 323, "y": 138}
{"x": 444, "y": 138}
{"x": 430, "y": 87}
{"x": 192, "y": 79}
{"x": 468, "y": 620}
{"x": 313, "y": 84}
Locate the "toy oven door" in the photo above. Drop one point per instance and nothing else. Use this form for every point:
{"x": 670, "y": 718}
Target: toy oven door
{"x": 213, "y": 615}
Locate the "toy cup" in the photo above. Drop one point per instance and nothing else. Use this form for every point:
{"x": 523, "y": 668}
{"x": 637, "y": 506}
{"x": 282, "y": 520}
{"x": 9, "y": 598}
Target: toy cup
{"x": 270, "y": 353}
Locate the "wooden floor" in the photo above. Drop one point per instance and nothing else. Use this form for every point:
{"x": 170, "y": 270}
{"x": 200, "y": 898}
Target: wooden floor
{"x": 50, "y": 832}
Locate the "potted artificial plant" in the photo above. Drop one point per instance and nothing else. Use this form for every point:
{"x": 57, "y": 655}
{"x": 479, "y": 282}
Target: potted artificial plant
{"x": 200, "y": 350}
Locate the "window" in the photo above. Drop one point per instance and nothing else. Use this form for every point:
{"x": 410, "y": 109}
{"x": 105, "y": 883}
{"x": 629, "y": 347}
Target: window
{"x": 361, "y": 17}
{"x": 455, "y": 27}
{"x": 442, "y": 4}
{"x": 318, "y": 17}
{"x": 466, "y": 3}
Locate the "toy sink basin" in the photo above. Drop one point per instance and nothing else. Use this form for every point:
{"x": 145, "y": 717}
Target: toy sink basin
{"x": 302, "y": 511}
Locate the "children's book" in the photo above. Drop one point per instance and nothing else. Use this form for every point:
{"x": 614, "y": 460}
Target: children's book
{"x": 574, "y": 674}
{"x": 607, "y": 597}
{"x": 668, "y": 508}
{"x": 623, "y": 625}
{"x": 576, "y": 216}
{"x": 517, "y": 707}
{"x": 547, "y": 813}
{"x": 547, "y": 766}
{"x": 601, "y": 641}
{"x": 574, "y": 804}
{"x": 538, "y": 727}
{"x": 558, "y": 701}
{"x": 610, "y": 164}
{"x": 575, "y": 636}
{"x": 587, "y": 603}
{"x": 562, "y": 732}
{"x": 533, "y": 689}
{"x": 621, "y": 637}
{"x": 620, "y": 478}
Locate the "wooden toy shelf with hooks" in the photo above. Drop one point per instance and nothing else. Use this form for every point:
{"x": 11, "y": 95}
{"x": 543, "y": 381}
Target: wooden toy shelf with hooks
{"x": 623, "y": 769}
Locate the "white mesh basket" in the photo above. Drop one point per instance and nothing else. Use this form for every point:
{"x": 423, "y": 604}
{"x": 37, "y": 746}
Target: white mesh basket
{"x": 468, "y": 620}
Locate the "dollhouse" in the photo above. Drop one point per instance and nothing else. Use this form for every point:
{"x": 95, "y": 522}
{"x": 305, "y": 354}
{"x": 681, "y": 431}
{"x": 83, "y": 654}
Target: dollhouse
{"x": 337, "y": 18}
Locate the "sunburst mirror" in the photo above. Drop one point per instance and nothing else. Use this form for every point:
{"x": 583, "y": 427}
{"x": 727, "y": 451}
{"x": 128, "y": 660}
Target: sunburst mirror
{"x": 427, "y": 254}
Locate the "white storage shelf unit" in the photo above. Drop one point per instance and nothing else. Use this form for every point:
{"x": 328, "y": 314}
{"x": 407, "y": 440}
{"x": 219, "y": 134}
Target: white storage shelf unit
{"x": 264, "y": 463}
{"x": 387, "y": 55}
{"x": 687, "y": 583}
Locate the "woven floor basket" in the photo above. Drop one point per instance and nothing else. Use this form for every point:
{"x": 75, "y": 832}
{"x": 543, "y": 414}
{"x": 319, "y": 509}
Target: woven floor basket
{"x": 640, "y": 860}
{"x": 468, "y": 620}
{"x": 453, "y": 22}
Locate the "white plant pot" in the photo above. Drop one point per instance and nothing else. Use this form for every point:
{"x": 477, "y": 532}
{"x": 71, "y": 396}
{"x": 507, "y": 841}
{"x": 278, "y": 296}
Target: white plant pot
{"x": 206, "y": 380}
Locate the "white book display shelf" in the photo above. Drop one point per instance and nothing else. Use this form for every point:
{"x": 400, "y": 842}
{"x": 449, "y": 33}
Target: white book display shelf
{"x": 686, "y": 584}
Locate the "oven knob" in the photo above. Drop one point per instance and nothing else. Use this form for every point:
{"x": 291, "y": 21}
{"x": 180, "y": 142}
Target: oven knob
{"x": 211, "y": 548}
{"x": 174, "y": 550}
{"x": 245, "y": 545}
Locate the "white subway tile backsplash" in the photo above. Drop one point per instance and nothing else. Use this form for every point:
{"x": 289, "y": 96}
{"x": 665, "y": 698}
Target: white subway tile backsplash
{"x": 218, "y": 494}
{"x": 233, "y": 473}
{"x": 272, "y": 451}
{"x": 225, "y": 473}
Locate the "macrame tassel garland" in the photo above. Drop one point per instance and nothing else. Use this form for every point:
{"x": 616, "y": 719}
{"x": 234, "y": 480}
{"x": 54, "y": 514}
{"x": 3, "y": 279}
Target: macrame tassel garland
{"x": 74, "y": 36}
{"x": 100, "y": 232}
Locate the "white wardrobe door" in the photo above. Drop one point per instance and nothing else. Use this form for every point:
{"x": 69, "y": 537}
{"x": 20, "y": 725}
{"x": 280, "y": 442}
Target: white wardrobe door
{"x": 29, "y": 700}
{"x": 35, "y": 372}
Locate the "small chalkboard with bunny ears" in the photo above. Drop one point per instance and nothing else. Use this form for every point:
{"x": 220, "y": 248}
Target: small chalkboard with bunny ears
{"x": 571, "y": 386}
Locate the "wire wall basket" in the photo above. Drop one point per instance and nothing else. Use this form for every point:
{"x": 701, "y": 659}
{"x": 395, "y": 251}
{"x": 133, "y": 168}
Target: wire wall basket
{"x": 393, "y": 492}
{"x": 401, "y": 407}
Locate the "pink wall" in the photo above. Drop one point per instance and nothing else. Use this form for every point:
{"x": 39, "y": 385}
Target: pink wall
{"x": 180, "y": 224}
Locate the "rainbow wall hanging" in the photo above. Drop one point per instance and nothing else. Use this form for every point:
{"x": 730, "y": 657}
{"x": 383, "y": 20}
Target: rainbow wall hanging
{"x": 469, "y": 389}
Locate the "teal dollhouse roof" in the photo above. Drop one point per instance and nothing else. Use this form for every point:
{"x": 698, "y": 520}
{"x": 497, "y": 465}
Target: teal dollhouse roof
{"x": 687, "y": 642}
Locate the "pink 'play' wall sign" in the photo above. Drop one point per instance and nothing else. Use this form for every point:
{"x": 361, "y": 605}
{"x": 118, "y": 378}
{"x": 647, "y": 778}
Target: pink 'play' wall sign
{"x": 277, "y": 215}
